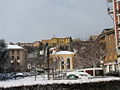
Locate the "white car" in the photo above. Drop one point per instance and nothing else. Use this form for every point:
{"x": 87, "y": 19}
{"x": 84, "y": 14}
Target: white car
{"x": 78, "y": 75}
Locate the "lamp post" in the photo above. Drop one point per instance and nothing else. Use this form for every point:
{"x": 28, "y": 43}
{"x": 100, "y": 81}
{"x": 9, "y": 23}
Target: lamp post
{"x": 46, "y": 53}
{"x": 15, "y": 64}
{"x": 101, "y": 64}
{"x": 35, "y": 67}
{"x": 116, "y": 62}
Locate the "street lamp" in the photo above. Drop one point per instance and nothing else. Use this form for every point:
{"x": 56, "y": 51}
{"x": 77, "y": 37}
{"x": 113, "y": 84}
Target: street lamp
{"x": 46, "y": 53}
{"x": 116, "y": 63}
{"x": 101, "y": 63}
{"x": 15, "y": 64}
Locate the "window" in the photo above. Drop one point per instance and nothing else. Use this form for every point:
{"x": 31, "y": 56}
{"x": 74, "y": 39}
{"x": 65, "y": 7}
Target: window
{"x": 18, "y": 52}
{"x": 72, "y": 76}
{"x": 98, "y": 72}
{"x": 68, "y": 63}
{"x": 12, "y": 51}
{"x": 83, "y": 75}
{"x": 18, "y": 57}
{"x": 110, "y": 68}
{"x": 12, "y": 57}
{"x": 62, "y": 64}
{"x": 89, "y": 72}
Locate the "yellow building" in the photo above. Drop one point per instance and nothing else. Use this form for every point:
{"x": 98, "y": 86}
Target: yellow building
{"x": 46, "y": 41}
{"x": 37, "y": 44}
{"x": 17, "y": 56}
{"x": 58, "y": 41}
{"x": 63, "y": 60}
{"x": 93, "y": 37}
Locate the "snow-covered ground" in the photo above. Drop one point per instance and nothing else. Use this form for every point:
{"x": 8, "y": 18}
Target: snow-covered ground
{"x": 27, "y": 81}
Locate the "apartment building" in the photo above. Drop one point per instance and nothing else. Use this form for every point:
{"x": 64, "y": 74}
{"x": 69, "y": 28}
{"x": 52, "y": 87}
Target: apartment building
{"x": 109, "y": 56}
{"x": 114, "y": 12}
{"x": 17, "y": 56}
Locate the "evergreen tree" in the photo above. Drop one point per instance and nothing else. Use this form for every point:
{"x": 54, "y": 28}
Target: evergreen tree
{"x": 3, "y": 56}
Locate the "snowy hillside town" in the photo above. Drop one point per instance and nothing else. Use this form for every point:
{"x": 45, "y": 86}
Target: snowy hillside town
{"x": 60, "y": 45}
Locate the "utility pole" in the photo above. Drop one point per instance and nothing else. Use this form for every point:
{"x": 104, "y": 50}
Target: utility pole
{"x": 47, "y": 55}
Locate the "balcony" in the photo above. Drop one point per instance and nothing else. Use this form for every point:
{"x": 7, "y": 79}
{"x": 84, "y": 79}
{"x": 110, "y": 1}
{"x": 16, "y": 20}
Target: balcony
{"x": 109, "y": 0}
{"x": 118, "y": 1}
{"x": 118, "y": 28}
{"x": 110, "y": 10}
{"x": 118, "y": 23}
{"x": 118, "y": 11}
{"x": 118, "y": 15}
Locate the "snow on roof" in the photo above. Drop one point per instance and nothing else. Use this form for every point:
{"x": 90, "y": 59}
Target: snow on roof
{"x": 65, "y": 52}
{"x": 52, "y": 48}
{"x": 14, "y": 47}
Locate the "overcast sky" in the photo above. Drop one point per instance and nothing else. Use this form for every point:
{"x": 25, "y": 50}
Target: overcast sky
{"x": 31, "y": 20}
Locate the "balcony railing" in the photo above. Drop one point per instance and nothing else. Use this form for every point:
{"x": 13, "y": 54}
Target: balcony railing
{"x": 110, "y": 10}
{"x": 109, "y": 0}
{"x": 118, "y": 28}
{"x": 118, "y": 14}
{"x": 118, "y": 1}
{"x": 118, "y": 23}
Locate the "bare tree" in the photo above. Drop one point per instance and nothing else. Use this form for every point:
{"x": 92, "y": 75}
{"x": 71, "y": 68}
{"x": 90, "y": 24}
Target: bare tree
{"x": 87, "y": 53}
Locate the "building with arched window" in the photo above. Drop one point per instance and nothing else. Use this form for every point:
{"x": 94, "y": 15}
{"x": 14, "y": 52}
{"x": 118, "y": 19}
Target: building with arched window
{"x": 63, "y": 60}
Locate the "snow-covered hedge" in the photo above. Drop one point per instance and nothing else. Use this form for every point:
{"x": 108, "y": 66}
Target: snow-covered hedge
{"x": 106, "y": 85}
{"x": 91, "y": 84}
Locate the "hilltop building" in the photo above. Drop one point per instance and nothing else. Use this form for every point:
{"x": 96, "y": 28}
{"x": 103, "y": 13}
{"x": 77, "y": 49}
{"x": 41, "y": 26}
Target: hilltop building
{"x": 34, "y": 44}
{"x": 93, "y": 37}
{"x": 57, "y": 41}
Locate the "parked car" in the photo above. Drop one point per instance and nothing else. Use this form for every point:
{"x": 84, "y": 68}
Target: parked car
{"x": 2, "y": 76}
{"x": 92, "y": 71}
{"x": 78, "y": 75}
{"x": 18, "y": 75}
{"x": 113, "y": 73}
{"x": 6, "y": 76}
